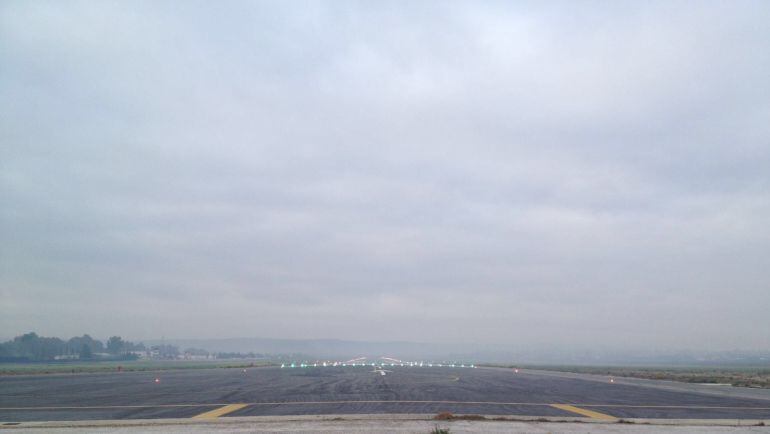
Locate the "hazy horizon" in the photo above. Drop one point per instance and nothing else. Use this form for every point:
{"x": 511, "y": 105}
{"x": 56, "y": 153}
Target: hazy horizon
{"x": 529, "y": 174}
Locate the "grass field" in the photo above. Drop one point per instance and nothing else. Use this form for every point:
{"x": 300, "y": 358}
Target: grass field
{"x": 741, "y": 376}
{"x": 131, "y": 365}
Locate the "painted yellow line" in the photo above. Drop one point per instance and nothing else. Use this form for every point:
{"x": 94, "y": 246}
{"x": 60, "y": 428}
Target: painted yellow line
{"x": 213, "y": 414}
{"x": 582, "y": 411}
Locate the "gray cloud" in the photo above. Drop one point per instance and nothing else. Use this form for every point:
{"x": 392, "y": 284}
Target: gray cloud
{"x": 529, "y": 174}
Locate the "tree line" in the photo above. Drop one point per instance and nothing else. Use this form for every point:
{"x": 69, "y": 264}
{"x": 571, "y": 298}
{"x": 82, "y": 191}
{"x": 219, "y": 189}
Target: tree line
{"x": 30, "y": 347}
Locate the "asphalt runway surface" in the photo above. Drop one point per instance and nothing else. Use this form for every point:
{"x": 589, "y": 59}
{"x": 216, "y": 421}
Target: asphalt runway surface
{"x": 213, "y": 393}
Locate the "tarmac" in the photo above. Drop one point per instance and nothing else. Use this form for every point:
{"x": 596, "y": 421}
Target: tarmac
{"x": 415, "y": 393}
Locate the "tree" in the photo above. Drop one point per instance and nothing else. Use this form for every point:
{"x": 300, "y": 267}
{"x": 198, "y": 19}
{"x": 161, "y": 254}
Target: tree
{"x": 31, "y": 347}
{"x": 75, "y": 345}
{"x": 116, "y": 345}
{"x": 86, "y": 353}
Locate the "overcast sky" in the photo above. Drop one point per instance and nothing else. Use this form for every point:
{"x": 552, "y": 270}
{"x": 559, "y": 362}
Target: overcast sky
{"x": 544, "y": 173}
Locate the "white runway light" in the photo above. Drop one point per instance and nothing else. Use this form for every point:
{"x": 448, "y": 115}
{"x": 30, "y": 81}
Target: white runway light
{"x": 386, "y": 361}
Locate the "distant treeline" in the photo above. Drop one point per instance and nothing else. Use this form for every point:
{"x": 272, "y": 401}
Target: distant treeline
{"x": 32, "y": 348}
{"x": 250, "y": 355}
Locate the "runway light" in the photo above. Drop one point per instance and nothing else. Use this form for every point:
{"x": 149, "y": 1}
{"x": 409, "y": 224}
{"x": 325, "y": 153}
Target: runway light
{"x": 157, "y": 380}
{"x": 516, "y": 371}
{"x": 244, "y": 371}
{"x": 612, "y": 380}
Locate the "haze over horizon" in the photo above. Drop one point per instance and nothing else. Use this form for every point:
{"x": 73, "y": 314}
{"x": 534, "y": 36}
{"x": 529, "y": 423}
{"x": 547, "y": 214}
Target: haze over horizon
{"x": 537, "y": 174}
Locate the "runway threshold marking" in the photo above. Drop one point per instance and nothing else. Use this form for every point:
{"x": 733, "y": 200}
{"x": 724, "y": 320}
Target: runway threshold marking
{"x": 582, "y": 411}
{"x": 217, "y": 412}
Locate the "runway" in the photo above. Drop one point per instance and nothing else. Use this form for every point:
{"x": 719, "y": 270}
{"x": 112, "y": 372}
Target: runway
{"x": 221, "y": 393}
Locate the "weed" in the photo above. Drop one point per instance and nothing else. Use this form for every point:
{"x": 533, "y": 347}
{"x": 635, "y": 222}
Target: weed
{"x": 439, "y": 430}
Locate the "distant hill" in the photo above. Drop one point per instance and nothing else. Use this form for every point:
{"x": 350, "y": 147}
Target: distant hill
{"x": 321, "y": 348}
{"x": 346, "y": 349}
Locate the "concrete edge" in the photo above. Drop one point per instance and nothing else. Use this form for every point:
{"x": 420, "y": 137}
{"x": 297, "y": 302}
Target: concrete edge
{"x": 341, "y": 418}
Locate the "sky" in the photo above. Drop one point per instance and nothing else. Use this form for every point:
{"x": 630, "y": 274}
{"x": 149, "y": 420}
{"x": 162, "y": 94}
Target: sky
{"x": 528, "y": 174}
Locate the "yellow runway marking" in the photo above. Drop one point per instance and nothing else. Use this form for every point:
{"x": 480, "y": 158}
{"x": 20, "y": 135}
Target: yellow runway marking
{"x": 582, "y": 411}
{"x": 213, "y": 414}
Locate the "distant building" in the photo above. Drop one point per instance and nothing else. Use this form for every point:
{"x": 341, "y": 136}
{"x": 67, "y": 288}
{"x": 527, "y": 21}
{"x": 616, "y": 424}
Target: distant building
{"x": 67, "y": 357}
{"x": 141, "y": 354}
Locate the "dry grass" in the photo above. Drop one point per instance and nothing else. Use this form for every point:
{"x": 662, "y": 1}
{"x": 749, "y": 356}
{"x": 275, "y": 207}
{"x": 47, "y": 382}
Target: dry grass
{"x": 758, "y": 377}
